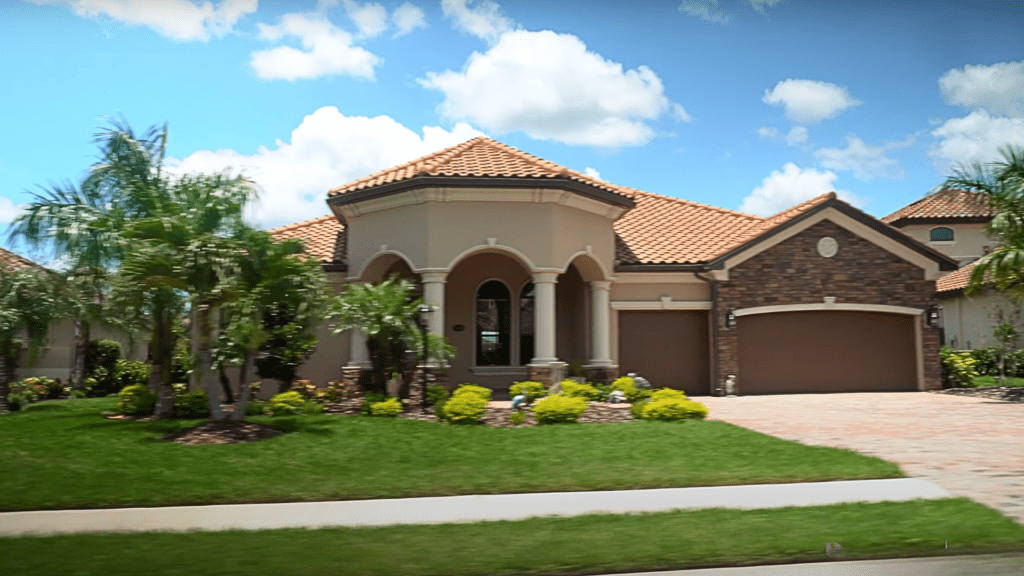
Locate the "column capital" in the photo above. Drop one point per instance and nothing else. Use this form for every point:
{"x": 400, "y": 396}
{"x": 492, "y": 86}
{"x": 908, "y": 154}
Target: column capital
{"x": 545, "y": 277}
{"x": 434, "y": 277}
{"x": 600, "y": 285}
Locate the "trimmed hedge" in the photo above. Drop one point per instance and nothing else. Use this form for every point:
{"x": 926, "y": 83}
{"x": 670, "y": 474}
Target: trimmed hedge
{"x": 573, "y": 389}
{"x": 666, "y": 393}
{"x": 532, "y": 390}
{"x": 673, "y": 409}
{"x": 192, "y": 405}
{"x": 136, "y": 400}
{"x": 389, "y": 408}
{"x": 286, "y": 403}
{"x": 628, "y": 387}
{"x": 480, "y": 391}
{"x": 559, "y": 409}
{"x": 465, "y": 408}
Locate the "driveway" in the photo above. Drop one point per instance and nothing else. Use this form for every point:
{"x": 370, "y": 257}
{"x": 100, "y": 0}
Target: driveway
{"x": 970, "y": 446}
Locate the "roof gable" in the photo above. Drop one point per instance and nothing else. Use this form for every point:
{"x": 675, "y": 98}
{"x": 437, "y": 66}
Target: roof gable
{"x": 945, "y": 206}
{"x": 324, "y": 238}
{"x": 12, "y": 262}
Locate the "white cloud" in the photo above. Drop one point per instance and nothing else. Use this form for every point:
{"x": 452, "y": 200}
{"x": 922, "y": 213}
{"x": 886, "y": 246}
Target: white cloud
{"x": 759, "y": 5}
{"x": 551, "y": 87}
{"x": 592, "y": 173}
{"x": 483, "y": 19}
{"x": 865, "y": 161}
{"x": 326, "y": 150}
{"x": 371, "y": 19}
{"x": 998, "y": 88}
{"x": 797, "y": 135}
{"x": 327, "y": 50}
{"x": 706, "y": 10}
{"x": 407, "y": 18}
{"x": 768, "y": 132}
{"x": 809, "y": 101}
{"x": 180, "y": 20}
{"x": 793, "y": 185}
{"x": 8, "y": 210}
{"x": 975, "y": 137}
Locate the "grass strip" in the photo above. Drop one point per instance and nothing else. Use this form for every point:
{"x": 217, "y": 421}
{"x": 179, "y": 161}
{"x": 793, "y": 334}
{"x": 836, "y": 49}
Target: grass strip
{"x": 582, "y": 545}
{"x": 64, "y": 454}
{"x": 985, "y": 381}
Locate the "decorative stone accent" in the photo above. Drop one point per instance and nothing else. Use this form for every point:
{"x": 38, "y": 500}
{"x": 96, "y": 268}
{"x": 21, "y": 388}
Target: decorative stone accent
{"x": 434, "y": 375}
{"x": 602, "y": 374}
{"x": 793, "y": 272}
{"x": 539, "y": 373}
{"x": 354, "y": 374}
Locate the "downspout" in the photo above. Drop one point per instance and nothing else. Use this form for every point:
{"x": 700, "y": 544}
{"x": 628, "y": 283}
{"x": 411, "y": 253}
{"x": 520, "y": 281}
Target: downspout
{"x": 714, "y": 332}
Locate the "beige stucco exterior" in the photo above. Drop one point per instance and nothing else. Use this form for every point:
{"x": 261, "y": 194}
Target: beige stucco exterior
{"x": 55, "y": 359}
{"x": 969, "y": 320}
{"x": 969, "y": 240}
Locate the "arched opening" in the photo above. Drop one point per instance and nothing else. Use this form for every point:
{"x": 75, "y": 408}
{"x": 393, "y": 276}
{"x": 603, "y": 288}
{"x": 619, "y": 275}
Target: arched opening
{"x": 526, "y": 319}
{"x": 493, "y": 324}
{"x": 941, "y": 234}
{"x": 572, "y": 318}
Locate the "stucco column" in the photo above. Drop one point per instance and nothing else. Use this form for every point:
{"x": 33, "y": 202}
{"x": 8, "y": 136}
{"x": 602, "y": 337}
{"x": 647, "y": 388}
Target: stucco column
{"x": 433, "y": 296}
{"x": 358, "y": 355}
{"x": 600, "y": 352}
{"x": 544, "y": 317}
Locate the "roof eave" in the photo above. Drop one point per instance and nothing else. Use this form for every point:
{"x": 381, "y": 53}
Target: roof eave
{"x": 906, "y": 221}
{"x": 660, "y": 267}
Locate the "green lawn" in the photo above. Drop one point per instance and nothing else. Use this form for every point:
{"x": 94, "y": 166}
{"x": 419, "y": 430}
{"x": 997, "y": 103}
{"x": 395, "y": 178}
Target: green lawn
{"x": 994, "y": 381}
{"x": 582, "y": 545}
{"x": 64, "y": 454}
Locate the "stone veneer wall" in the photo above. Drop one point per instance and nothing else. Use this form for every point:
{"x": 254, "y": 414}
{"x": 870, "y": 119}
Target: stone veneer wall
{"x": 792, "y": 272}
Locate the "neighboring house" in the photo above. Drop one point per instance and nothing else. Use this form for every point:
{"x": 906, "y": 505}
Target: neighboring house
{"x": 530, "y": 265}
{"x": 55, "y": 359}
{"x": 953, "y": 221}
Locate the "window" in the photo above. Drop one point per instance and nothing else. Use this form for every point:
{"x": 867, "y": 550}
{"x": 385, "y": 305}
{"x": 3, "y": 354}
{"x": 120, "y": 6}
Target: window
{"x": 526, "y": 318}
{"x": 493, "y": 324}
{"x": 941, "y": 234}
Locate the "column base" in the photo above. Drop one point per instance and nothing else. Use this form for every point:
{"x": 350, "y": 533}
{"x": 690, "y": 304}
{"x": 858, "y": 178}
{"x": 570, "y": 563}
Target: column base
{"x": 357, "y": 375}
{"x": 602, "y": 373}
{"x": 547, "y": 372}
{"x": 435, "y": 375}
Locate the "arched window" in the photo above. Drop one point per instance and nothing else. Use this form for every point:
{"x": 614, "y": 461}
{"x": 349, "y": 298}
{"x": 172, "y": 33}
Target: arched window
{"x": 526, "y": 324}
{"x": 941, "y": 234}
{"x": 493, "y": 324}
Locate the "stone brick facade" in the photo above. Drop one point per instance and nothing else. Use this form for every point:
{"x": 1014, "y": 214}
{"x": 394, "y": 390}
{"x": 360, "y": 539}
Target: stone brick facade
{"x": 602, "y": 374}
{"x": 792, "y": 272}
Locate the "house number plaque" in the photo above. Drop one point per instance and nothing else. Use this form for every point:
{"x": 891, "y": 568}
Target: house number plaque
{"x": 828, "y": 247}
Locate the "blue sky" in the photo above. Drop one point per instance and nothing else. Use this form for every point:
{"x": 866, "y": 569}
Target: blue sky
{"x": 752, "y": 105}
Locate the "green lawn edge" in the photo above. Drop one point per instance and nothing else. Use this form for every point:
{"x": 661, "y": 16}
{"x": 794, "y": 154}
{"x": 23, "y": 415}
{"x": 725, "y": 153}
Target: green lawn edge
{"x": 592, "y": 544}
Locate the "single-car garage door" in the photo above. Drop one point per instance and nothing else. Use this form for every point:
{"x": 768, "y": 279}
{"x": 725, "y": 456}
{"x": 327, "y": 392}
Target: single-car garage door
{"x": 669, "y": 348}
{"x": 826, "y": 351}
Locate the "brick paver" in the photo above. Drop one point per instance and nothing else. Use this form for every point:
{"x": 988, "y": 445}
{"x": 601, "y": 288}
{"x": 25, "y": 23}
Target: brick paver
{"x": 973, "y": 447}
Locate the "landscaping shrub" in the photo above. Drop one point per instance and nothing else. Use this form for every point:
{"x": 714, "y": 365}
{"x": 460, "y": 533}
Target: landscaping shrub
{"x": 573, "y": 389}
{"x": 306, "y": 388}
{"x": 963, "y": 367}
{"x": 370, "y": 399}
{"x": 637, "y": 409}
{"x": 480, "y": 391}
{"x": 439, "y": 409}
{"x": 136, "y": 400}
{"x": 36, "y": 388}
{"x": 101, "y": 358}
{"x": 131, "y": 373}
{"x": 436, "y": 393}
{"x": 390, "y": 408}
{"x": 16, "y": 401}
{"x": 603, "y": 390}
{"x": 334, "y": 392}
{"x": 669, "y": 408}
{"x": 986, "y": 360}
{"x": 465, "y": 408}
{"x": 665, "y": 393}
{"x": 286, "y": 403}
{"x": 256, "y": 408}
{"x": 532, "y": 390}
{"x": 559, "y": 409}
{"x": 517, "y": 418}
{"x": 191, "y": 405}
{"x": 311, "y": 408}
{"x": 628, "y": 387}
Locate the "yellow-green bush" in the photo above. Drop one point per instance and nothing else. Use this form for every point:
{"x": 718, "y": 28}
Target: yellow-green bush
{"x": 673, "y": 409}
{"x": 664, "y": 393}
{"x": 136, "y": 400}
{"x": 532, "y": 390}
{"x": 628, "y": 387}
{"x": 286, "y": 403}
{"x": 637, "y": 408}
{"x": 963, "y": 366}
{"x": 574, "y": 389}
{"x": 391, "y": 407}
{"x": 191, "y": 405}
{"x": 465, "y": 408}
{"x": 473, "y": 389}
{"x": 517, "y": 418}
{"x": 558, "y": 408}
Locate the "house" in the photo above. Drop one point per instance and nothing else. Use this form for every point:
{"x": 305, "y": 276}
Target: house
{"x": 953, "y": 221}
{"x": 530, "y": 266}
{"x": 57, "y": 355}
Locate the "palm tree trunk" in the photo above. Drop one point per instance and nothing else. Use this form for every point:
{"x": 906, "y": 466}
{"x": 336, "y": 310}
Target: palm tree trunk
{"x": 5, "y": 377}
{"x": 161, "y": 348}
{"x": 245, "y": 391}
{"x": 83, "y": 331}
{"x": 207, "y": 375}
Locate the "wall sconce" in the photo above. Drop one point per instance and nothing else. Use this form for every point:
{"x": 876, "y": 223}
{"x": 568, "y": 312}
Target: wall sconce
{"x": 730, "y": 319}
{"x": 934, "y": 316}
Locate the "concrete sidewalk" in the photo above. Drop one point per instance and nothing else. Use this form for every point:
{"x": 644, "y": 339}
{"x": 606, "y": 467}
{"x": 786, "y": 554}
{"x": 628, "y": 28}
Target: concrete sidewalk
{"x": 460, "y": 508}
{"x": 984, "y": 565}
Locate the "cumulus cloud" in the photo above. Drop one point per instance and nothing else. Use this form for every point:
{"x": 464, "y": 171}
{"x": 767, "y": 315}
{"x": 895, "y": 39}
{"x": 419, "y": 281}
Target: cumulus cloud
{"x": 326, "y": 150}
{"x": 865, "y": 161}
{"x": 551, "y": 87}
{"x": 407, "y": 18}
{"x": 481, "y": 18}
{"x": 759, "y": 5}
{"x": 327, "y": 50}
{"x": 706, "y": 10}
{"x": 998, "y": 88}
{"x": 797, "y": 134}
{"x": 592, "y": 173}
{"x": 976, "y": 137}
{"x": 8, "y": 210}
{"x": 180, "y": 20}
{"x": 371, "y": 19}
{"x": 793, "y": 185}
{"x": 809, "y": 101}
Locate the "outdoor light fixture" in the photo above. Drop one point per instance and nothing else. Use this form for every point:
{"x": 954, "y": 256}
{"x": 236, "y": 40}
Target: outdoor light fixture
{"x": 934, "y": 316}
{"x": 730, "y": 319}
{"x": 425, "y": 311}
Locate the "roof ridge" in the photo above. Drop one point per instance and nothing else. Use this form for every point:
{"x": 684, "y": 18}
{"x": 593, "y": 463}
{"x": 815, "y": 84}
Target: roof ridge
{"x": 555, "y": 167}
{"x": 692, "y": 203}
{"x": 444, "y": 156}
{"x": 303, "y": 223}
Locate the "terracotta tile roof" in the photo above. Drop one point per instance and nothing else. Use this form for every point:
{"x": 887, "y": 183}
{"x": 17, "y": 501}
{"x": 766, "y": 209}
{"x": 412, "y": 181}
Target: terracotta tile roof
{"x": 954, "y": 282}
{"x": 948, "y": 203}
{"x": 480, "y": 157}
{"x": 324, "y": 238}
{"x": 11, "y": 261}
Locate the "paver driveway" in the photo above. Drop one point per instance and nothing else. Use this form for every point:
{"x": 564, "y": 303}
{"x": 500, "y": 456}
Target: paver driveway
{"x": 972, "y": 447}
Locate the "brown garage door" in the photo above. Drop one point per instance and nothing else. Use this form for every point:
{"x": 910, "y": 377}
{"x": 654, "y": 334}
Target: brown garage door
{"x": 669, "y": 348}
{"x": 826, "y": 352}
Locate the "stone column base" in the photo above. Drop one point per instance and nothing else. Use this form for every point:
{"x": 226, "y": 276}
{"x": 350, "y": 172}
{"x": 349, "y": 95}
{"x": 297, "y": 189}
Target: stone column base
{"x": 435, "y": 376}
{"x": 356, "y": 375}
{"x": 602, "y": 374}
{"x": 550, "y": 373}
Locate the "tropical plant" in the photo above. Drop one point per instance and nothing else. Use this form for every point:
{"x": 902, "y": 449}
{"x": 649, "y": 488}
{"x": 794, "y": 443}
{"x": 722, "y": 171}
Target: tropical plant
{"x": 27, "y": 306}
{"x": 387, "y": 317}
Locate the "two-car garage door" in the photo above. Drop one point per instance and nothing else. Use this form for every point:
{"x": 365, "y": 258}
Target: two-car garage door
{"x": 826, "y": 351}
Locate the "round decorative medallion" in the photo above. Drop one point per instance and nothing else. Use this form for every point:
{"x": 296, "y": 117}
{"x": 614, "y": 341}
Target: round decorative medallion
{"x": 828, "y": 247}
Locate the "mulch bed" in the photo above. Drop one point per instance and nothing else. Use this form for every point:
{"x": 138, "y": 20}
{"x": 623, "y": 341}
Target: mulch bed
{"x": 222, "y": 432}
{"x": 1003, "y": 393}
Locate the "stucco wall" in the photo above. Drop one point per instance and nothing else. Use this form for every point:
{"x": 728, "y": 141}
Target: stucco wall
{"x": 968, "y": 243}
{"x": 792, "y": 272}
{"x": 54, "y": 360}
{"x": 650, "y": 292}
{"x": 969, "y": 320}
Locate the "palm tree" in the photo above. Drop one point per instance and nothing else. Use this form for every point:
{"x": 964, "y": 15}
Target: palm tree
{"x": 27, "y": 306}
{"x": 1002, "y": 181}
